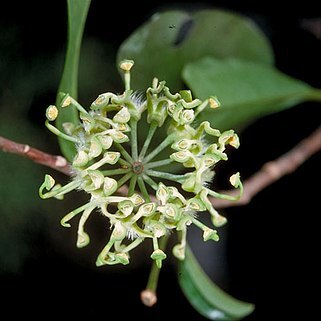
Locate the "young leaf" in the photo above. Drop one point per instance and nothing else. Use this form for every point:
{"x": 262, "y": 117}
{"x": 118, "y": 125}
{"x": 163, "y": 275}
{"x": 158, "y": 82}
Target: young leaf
{"x": 164, "y": 44}
{"x": 77, "y": 14}
{"x": 246, "y": 90}
{"x": 205, "y": 296}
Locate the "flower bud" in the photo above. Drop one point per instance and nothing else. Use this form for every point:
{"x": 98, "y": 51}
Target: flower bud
{"x": 101, "y": 101}
{"x": 118, "y": 136}
{"x": 195, "y": 204}
{"x": 148, "y": 209}
{"x": 183, "y": 222}
{"x": 126, "y": 64}
{"x": 81, "y": 159}
{"x": 158, "y": 255}
{"x": 235, "y": 180}
{"x": 179, "y": 251}
{"x": 126, "y": 207}
{"x": 123, "y": 116}
{"x": 52, "y": 112}
{"x": 122, "y": 258}
{"x": 83, "y": 239}
{"x": 110, "y": 186}
{"x": 230, "y": 138}
{"x": 111, "y": 157}
{"x": 158, "y": 229}
{"x": 234, "y": 141}
{"x": 66, "y": 101}
{"x": 175, "y": 194}
{"x": 106, "y": 141}
{"x": 171, "y": 211}
{"x": 218, "y": 220}
{"x": 137, "y": 199}
{"x": 209, "y": 161}
{"x": 181, "y": 156}
{"x": 96, "y": 178}
{"x": 187, "y": 116}
{"x": 189, "y": 183}
{"x": 162, "y": 194}
{"x": 213, "y": 151}
{"x": 49, "y": 182}
{"x": 69, "y": 128}
{"x": 95, "y": 148}
{"x": 210, "y": 234}
{"x": 119, "y": 232}
{"x": 214, "y": 102}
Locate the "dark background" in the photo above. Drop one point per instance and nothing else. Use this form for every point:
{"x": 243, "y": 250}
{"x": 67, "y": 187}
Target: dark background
{"x": 269, "y": 246}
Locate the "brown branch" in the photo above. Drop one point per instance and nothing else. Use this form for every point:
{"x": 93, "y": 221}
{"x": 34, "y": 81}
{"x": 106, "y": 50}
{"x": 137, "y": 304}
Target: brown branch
{"x": 274, "y": 170}
{"x": 269, "y": 173}
{"x": 58, "y": 163}
{"x": 313, "y": 25}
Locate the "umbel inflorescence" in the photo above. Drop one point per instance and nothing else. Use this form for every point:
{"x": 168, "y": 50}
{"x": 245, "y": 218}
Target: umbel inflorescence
{"x": 128, "y": 183}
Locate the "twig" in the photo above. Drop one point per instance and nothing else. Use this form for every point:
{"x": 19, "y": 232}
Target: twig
{"x": 313, "y": 25}
{"x": 58, "y": 163}
{"x": 269, "y": 173}
{"x": 274, "y": 170}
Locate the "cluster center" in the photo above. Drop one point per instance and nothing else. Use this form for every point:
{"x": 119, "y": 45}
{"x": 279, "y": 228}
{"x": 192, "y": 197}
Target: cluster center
{"x": 138, "y": 167}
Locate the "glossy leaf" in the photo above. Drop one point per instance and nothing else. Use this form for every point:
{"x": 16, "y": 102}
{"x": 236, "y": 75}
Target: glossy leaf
{"x": 246, "y": 90}
{"x": 164, "y": 44}
{"x": 205, "y": 296}
{"x": 77, "y": 14}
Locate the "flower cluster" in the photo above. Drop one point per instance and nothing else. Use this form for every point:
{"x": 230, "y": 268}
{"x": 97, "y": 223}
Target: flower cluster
{"x": 127, "y": 181}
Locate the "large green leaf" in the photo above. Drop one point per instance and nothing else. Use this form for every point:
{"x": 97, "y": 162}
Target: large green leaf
{"x": 77, "y": 15}
{"x": 205, "y": 296}
{"x": 246, "y": 90}
{"x": 164, "y": 44}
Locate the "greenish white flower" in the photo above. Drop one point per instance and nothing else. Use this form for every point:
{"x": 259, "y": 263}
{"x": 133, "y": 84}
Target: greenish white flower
{"x": 128, "y": 182}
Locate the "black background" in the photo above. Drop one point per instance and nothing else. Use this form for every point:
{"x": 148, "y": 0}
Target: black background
{"x": 271, "y": 243}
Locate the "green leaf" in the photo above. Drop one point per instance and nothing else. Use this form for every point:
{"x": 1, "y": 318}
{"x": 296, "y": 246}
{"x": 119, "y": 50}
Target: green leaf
{"x": 205, "y": 296}
{"x": 77, "y": 15}
{"x": 246, "y": 90}
{"x": 164, "y": 44}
